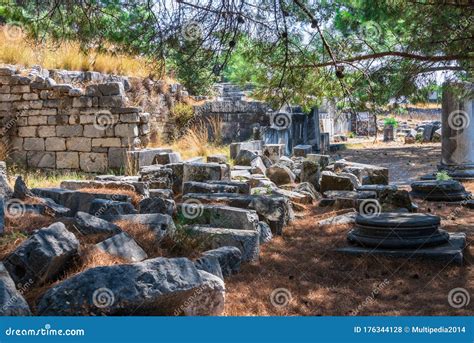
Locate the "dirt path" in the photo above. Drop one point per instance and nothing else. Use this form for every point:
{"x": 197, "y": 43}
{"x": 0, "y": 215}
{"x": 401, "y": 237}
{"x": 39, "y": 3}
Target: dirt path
{"x": 303, "y": 268}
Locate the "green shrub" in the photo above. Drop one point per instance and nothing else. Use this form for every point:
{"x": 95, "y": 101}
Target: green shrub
{"x": 419, "y": 137}
{"x": 182, "y": 113}
{"x": 442, "y": 176}
{"x": 390, "y": 121}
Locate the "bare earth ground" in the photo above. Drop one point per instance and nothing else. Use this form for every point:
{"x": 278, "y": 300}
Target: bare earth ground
{"x": 303, "y": 267}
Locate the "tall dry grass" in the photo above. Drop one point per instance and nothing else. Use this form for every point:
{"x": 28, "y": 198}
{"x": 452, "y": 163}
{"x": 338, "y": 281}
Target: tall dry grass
{"x": 15, "y": 48}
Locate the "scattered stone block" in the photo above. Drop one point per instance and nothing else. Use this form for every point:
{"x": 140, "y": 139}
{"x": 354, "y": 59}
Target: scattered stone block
{"x": 374, "y": 174}
{"x": 265, "y": 232}
{"x": 274, "y": 151}
{"x": 310, "y": 172}
{"x": 258, "y": 167}
{"x": 157, "y": 205}
{"x": 124, "y": 246}
{"x": 205, "y": 171}
{"x": 203, "y": 187}
{"x": 209, "y": 264}
{"x": 43, "y": 255}
{"x": 246, "y": 240}
{"x": 343, "y": 219}
{"x": 174, "y": 287}
{"x": 5, "y": 189}
{"x": 280, "y": 174}
{"x": 245, "y": 157}
{"x": 222, "y": 159}
{"x": 243, "y": 187}
{"x": 12, "y": 302}
{"x": 167, "y": 157}
{"x": 302, "y": 150}
{"x": 229, "y": 258}
{"x": 234, "y": 148}
{"x": 448, "y": 190}
{"x": 110, "y": 207}
{"x": 88, "y": 224}
{"x": 333, "y": 182}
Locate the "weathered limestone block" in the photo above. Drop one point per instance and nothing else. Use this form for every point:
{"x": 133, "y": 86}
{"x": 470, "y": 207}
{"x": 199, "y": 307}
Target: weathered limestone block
{"x": 33, "y": 144}
{"x": 78, "y": 144}
{"x": 94, "y": 131}
{"x": 124, "y": 246}
{"x": 111, "y": 88}
{"x": 41, "y": 159}
{"x": 333, "y": 182}
{"x": 167, "y": 157}
{"x": 43, "y": 255}
{"x": 93, "y": 162}
{"x": 217, "y": 159}
{"x": 204, "y": 187}
{"x": 82, "y": 101}
{"x": 157, "y": 205}
{"x": 173, "y": 287}
{"x": 46, "y": 131}
{"x": 37, "y": 120}
{"x": 229, "y": 258}
{"x": 67, "y": 160}
{"x": 274, "y": 151}
{"x": 69, "y": 130}
{"x": 205, "y": 171}
{"x": 87, "y": 224}
{"x": 110, "y": 207}
{"x": 111, "y": 101}
{"x": 55, "y": 144}
{"x": 106, "y": 142}
{"x": 126, "y": 130}
{"x": 280, "y": 174}
{"x": 247, "y": 241}
{"x": 27, "y": 131}
{"x": 243, "y": 187}
{"x": 373, "y": 174}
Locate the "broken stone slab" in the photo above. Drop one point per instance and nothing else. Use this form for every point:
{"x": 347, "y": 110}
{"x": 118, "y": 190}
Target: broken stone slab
{"x": 287, "y": 162}
{"x": 157, "y": 176}
{"x": 375, "y": 174}
{"x": 144, "y": 157}
{"x": 209, "y": 264}
{"x": 275, "y": 210}
{"x": 379, "y": 189}
{"x": 21, "y": 190}
{"x": 124, "y": 246}
{"x": 258, "y": 166}
{"x": 248, "y": 241}
{"x": 47, "y": 207}
{"x": 295, "y": 197}
{"x": 302, "y": 150}
{"x": 243, "y": 187}
{"x": 347, "y": 199}
{"x": 161, "y": 224}
{"x": 240, "y": 174}
{"x": 161, "y": 193}
{"x": 322, "y": 160}
{"x": 274, "y": 151}
{"x": 76, "y": 200}
{"x": 88, "y": 224}
{"x": 43, "y": 255}
{"x": 5, "y": 189}
{"x": 343, "y": 219}
{"x": 167, "y": 157}
{"x": 350, "y": 194}
{"x": 221, "y": 159}
{"x": 219, "y": 216}
{"x": 157, "y": 205}
{"x": 12, "y": 302}
{"x": 167, "y": 287}
{"x": 265, "y": 232}
{"x": 204, "y": 187}
{"x": 103, "y": 207}
{"x": 280, "y": 174}
{"x": 308, "y": 189}
{"x": 333, "y": 182}
{"x": 448, "y": 190}
{"x": 205, "y": 171}
{"x": 310, "y": 172}
{"x": 140, "y": 187}
{"x": 229, "y": 258}
{"x": 392, "y": 200}
{"x": 250, "y": 145}
{"x": 245, "y": 157}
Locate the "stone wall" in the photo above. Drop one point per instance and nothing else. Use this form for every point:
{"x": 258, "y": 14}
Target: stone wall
{"x": 59, "y": 126}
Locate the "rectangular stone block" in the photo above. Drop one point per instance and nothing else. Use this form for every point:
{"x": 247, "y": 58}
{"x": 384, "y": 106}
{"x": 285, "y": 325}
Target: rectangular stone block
{"x": 93, "y": 162}
{"x": 55, "y": 144}
{"x": 117, "y": 158}
{"x": 37, "y": 120}
{"x": 10, "y": 97}
{"x": 27, "y": 131}
{"x": 126, "y": 130}
{"x": 5, "y": 89}
{"x": 30, "y": 96}
{"x": 78, "y": 144}
{"x": 41, "y": 159}
{"x": 25, "y": 105}
{"x": 67, "y": 160}
{"x": 33, "y": 144}
{"x": 69, "y": 130}
{"x": 111, "y": 101}
{"x": 107, "y": 142}
{"x": 94, "y": 131}
{"x": 22, "y": 89}
{"x": 46, "y": 131}
{"x": 82, "y": 101}
{"x": 130, "y": 118}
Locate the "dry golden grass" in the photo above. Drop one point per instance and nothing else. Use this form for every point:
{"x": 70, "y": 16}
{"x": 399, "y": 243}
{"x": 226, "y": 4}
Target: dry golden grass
{"x": 88, "y": 257}
{"x": 17, "y": 230}
{"x": 144, "y": 236}
{"x": 19, "y": 50}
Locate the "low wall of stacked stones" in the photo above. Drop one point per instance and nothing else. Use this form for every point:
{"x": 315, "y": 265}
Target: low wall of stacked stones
{"x": 59, "y": 126}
